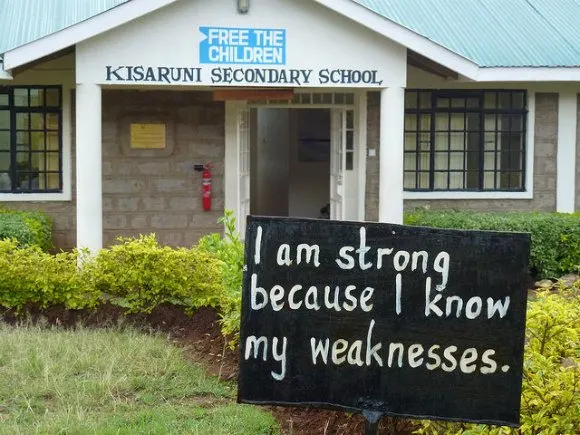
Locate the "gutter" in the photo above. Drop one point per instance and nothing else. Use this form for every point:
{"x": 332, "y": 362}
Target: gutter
{"x": 4, "y": 75}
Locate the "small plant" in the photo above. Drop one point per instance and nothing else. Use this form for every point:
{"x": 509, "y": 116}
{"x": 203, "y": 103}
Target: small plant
{"x": 30, "y": 276}
{"x": 229, "y": 249}
{"x": 551, "y": 384}
{"x": 139, "y": 274}
{"x": 28, "y": 228}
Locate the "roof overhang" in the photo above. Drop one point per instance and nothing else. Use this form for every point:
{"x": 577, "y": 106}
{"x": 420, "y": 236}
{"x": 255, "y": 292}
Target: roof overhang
{"x": 4, "y": 75}
{"x": 404, "y": 36}
{"x": 449, "y": 62}
{"x": 79, "y": 32}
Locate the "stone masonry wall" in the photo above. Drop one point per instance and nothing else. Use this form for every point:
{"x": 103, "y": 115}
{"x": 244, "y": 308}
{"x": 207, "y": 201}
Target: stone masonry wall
{"x": 161, "y": 193}
{"x": 546, "y": 137}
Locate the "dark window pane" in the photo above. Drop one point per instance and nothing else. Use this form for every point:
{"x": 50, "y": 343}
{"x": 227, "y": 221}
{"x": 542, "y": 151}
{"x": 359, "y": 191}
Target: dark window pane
{"x": 489, "y": 100}
{"x": 5, "y": 119}
{"x": 37, "y": 139}
{"x": 425, "y": 100}
{"x": 21, "y": 97}
{"x": 53, "y": 97}
{"x": 519, "y": 100}
{"x": 37, "y": 121}
{"x": 4, "y": 161}
{"x": 349, "y": 140}
{"x": 4, "y": 141}
{"x": 4, "y": 99}
{"x": 349, "y": 161}
{"x": 22, "y": 121}
{"x": 504, "y": 100}
{"x": 22, "y": 140}
{"x": 36, "y": 97}
{"x": 411, "y": 100}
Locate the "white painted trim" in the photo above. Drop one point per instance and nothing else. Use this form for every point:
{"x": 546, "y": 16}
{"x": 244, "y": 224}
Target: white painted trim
{"x": 403, "y": 36}
{"x": 529, "y": 74}
{"x": 4, "y": 75}
{"x": 360, "y": 132}
{"x": 232, "y": 198}
{"x": 79, "y": 32}
{"x": 34, "y": 197}
{"x": 467, "y": 195}
{"x": 89, "y": 176}
{"x": 391, "y": 155}
{"x": 66, "y": 194}
{"x": 566, "y": 152}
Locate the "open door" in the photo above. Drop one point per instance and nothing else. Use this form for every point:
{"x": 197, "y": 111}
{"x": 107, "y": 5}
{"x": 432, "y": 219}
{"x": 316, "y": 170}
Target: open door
{"x": 337, "y": 162}
{"x": 243, "y": 133}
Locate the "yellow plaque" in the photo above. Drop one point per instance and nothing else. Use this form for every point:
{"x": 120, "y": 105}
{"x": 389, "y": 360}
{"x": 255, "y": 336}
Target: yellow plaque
{"x": 148, "y": 136}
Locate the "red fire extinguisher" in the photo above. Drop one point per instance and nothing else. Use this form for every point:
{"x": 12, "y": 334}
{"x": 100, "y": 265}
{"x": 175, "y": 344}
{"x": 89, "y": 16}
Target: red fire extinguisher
{"x": 206, "y": 187}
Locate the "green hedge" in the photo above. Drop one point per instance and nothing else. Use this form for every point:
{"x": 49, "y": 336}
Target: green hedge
{"x": 139, "y": 274}
{"x": 136, "y": 274}
{"x": 28, "y": 228}
{"x": 555, "y": 246}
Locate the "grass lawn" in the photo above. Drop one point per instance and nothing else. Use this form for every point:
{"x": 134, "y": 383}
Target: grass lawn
{"x": 112, "y": 381}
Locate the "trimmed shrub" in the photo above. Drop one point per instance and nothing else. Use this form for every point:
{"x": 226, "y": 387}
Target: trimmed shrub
{"x": 229, "y": 250}
{"x": 30, "y": 276}
{"x": 28, "y": 228}
{"x": 555, "y": 248}
{"x": 138, "y": 274}
{"x": 551, "y": 384}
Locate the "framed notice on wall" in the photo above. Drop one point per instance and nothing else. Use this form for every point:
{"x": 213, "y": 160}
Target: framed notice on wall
{"x": 148, "y": 136}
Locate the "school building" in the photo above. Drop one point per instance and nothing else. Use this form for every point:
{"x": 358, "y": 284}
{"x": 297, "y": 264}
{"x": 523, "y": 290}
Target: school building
{"x": 355, "y": 109}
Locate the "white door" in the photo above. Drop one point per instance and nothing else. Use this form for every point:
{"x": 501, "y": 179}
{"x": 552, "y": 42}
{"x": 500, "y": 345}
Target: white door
{"x": 337, "y": 163}
{"x": 243, "y": 133}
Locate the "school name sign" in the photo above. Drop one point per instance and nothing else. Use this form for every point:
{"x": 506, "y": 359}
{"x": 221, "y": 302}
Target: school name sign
{"x": 231, "y": 56}
{"x": 397, "y": 320}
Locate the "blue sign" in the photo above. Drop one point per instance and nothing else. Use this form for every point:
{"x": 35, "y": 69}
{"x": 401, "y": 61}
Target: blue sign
{"x": 230, "y": 45}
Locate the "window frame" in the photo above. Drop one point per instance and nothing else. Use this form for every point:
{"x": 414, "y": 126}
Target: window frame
{"x": 527, "y": 132}
{"x": 28, "y": 194}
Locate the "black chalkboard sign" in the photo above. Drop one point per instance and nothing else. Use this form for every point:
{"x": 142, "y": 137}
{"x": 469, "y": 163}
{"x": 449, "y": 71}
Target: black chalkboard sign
{"x": 384, "y": 319}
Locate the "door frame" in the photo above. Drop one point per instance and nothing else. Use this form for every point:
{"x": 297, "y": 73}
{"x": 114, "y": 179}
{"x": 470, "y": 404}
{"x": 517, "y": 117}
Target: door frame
{"x": 232, "y": 199}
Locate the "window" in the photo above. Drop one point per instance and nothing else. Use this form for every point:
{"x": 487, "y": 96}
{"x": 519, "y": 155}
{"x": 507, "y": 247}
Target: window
{"x": 30, "y": 139}
{"x": 465, "y": 140}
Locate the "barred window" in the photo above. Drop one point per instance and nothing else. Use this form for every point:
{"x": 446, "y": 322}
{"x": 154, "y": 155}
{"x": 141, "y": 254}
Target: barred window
{"x": 30, "y": 139}
{"x": 465, "y": 140}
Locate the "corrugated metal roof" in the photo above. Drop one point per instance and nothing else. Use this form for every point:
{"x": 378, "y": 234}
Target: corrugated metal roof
{"x": 23, "y": 21}
{"x": 491, "y": 33}
{"x": 494, "y": 33}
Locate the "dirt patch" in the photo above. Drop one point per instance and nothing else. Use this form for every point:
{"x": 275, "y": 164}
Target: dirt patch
{"x": 202, "y": 341}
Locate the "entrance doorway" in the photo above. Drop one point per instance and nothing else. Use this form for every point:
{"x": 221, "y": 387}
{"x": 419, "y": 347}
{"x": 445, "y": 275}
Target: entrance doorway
{"x": 299, "y": 158}
{"x": 290, "y": 160}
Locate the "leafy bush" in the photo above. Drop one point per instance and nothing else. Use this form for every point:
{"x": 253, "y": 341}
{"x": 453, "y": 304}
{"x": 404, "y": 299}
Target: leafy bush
{"x": 28, "y": 228}
{"x": 551, "y": 385}
{"x": 555, "y": 246}
{"x": 230, "y": 251}
{"x": 139, "y": 275}
{"x": 30, "y": 276}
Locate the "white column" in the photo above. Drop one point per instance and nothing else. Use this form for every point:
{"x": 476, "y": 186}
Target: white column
{"x": 89, "y": 192}
{"x": 566, "y": 154}
{"x": 391, "y": 155}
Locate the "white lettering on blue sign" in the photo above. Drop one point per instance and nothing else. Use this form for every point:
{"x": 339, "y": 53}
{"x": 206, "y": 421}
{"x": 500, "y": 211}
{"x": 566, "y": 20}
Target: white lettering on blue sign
{"x": 228, "y": 45}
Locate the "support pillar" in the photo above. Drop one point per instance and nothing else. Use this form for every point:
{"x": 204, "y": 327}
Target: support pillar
{"x": 89, "y": 191}
{"x": 566, "y": 152}
{"x": 391, "y": 154}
